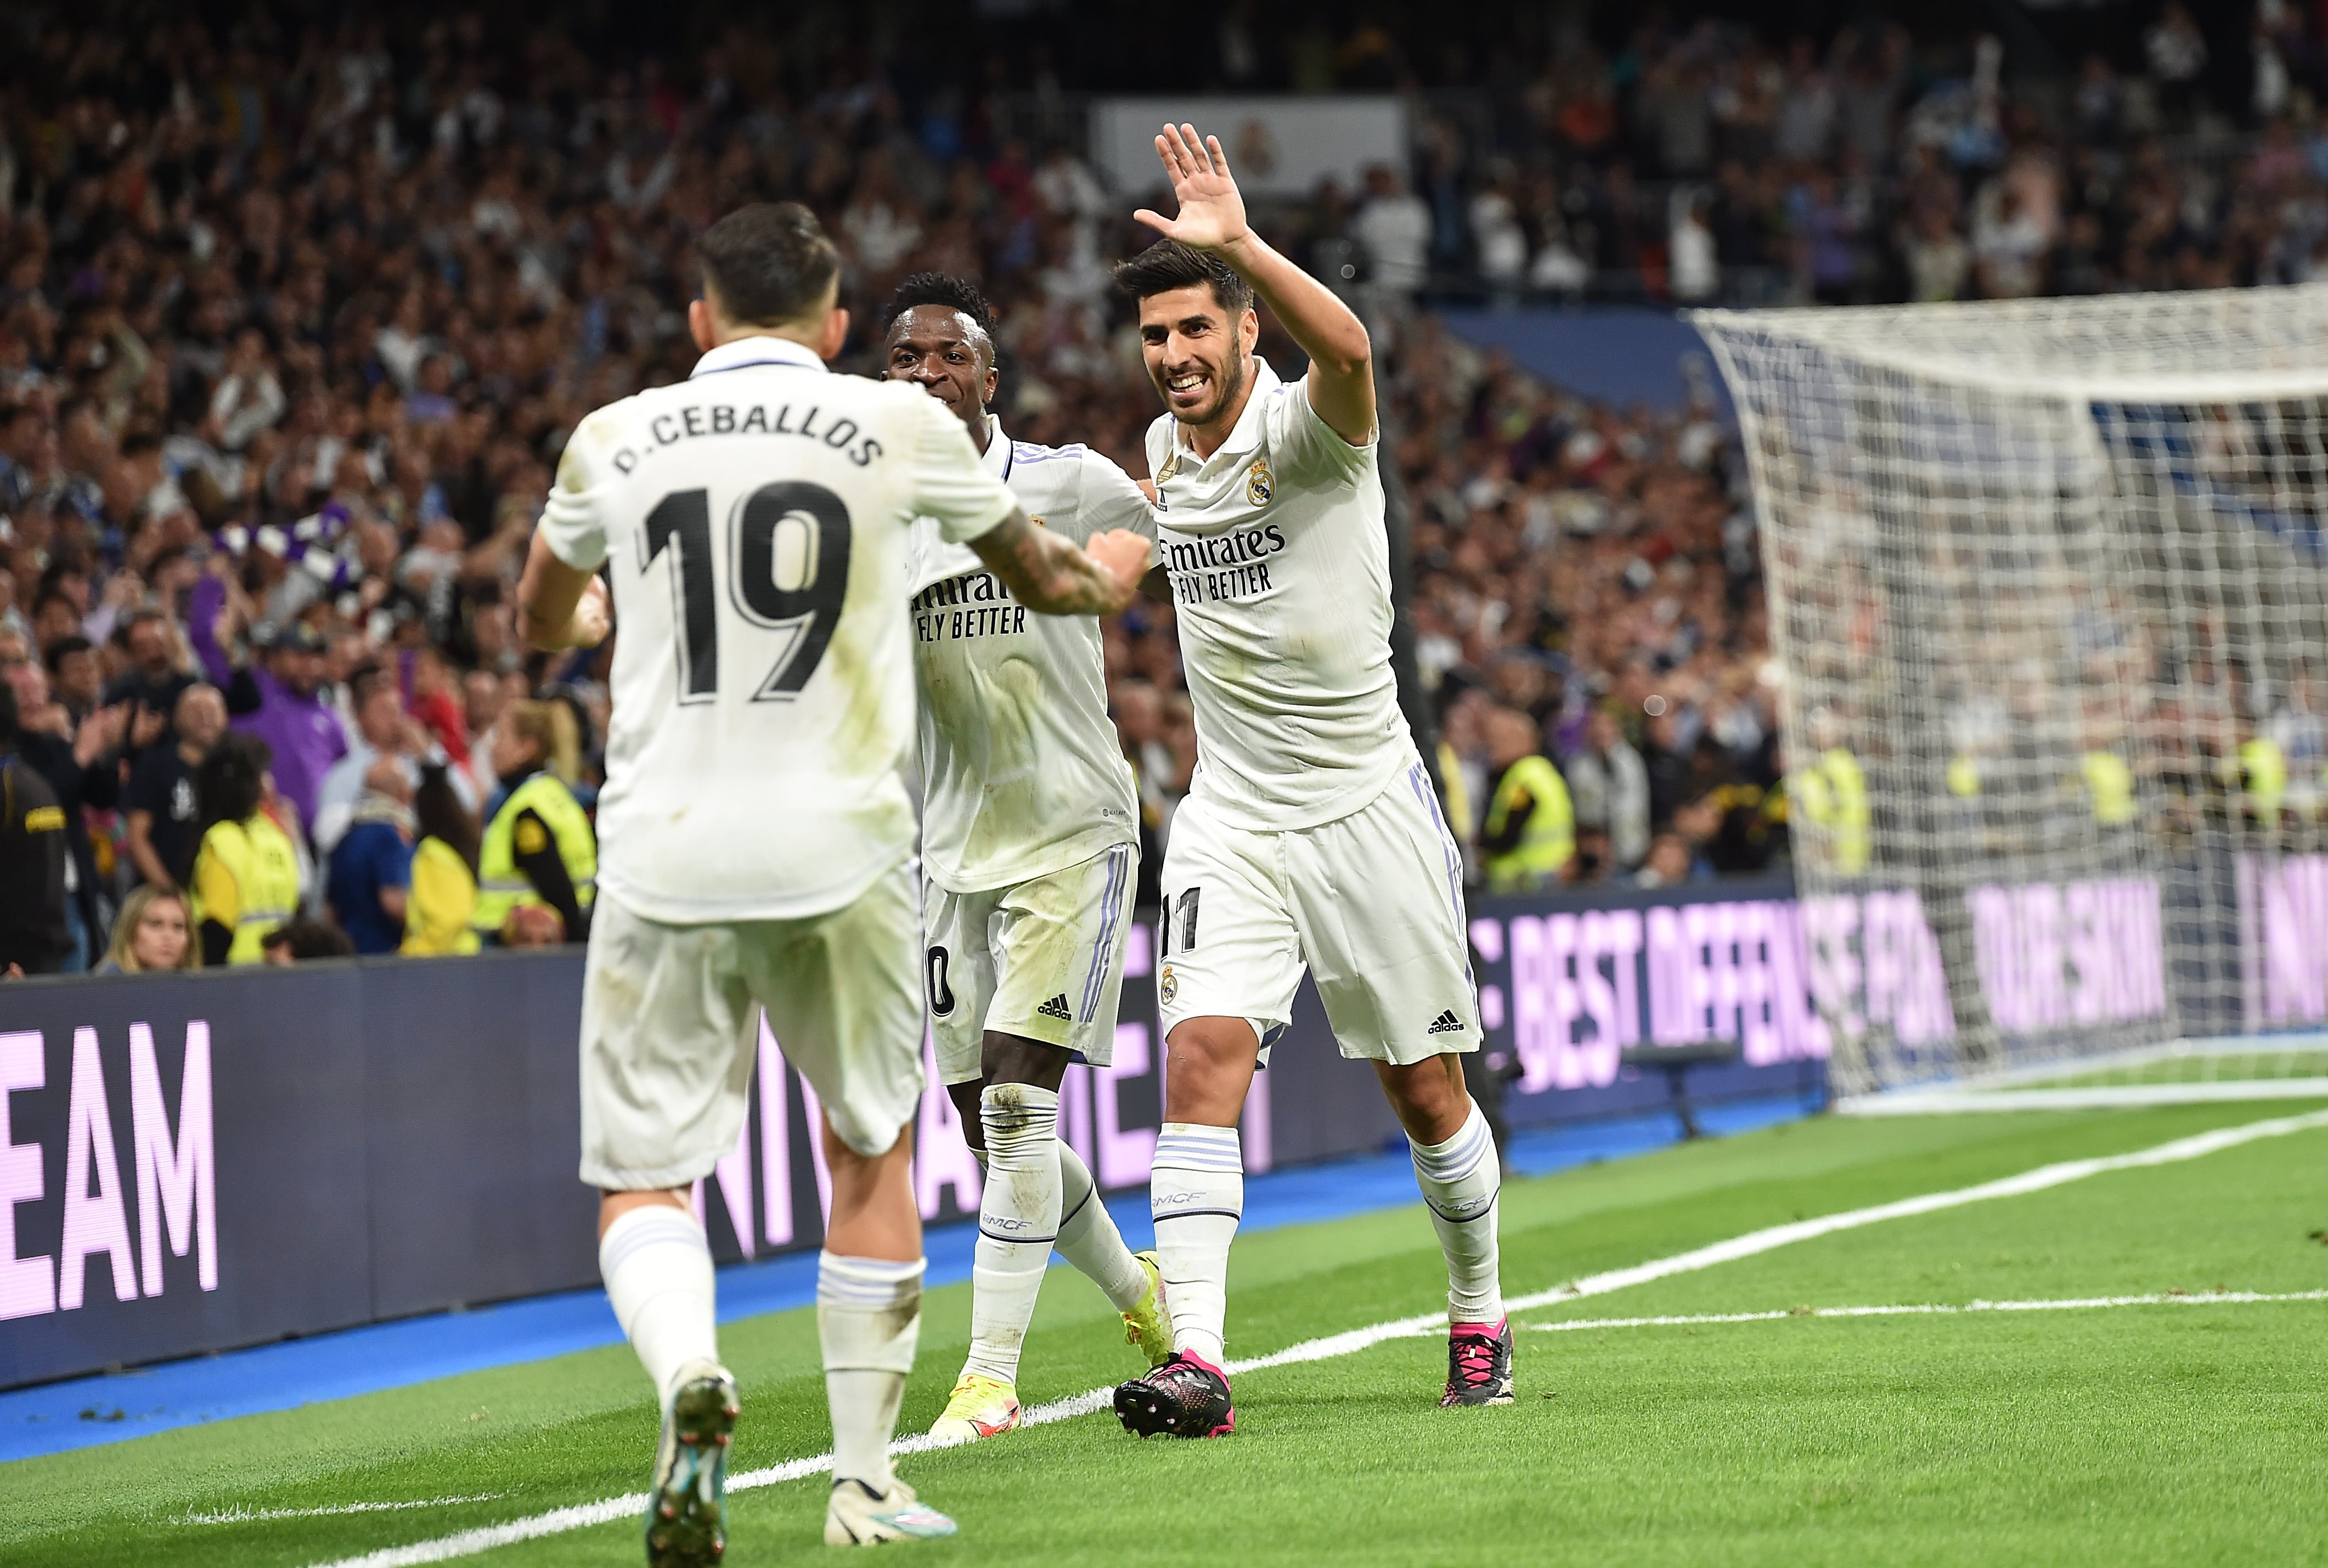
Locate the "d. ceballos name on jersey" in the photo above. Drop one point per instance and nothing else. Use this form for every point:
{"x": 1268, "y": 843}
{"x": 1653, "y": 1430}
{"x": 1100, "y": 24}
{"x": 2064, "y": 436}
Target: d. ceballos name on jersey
{"x": 1221, "y": 566}
{"x": 698, "y": 419}
{"x": 973, "y": 605}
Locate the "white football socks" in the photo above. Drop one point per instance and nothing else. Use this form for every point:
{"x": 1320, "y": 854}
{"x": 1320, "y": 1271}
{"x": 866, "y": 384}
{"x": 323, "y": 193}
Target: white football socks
{"x": 1018, "y": 1221}
{"x": 868, "y": 1318}
{"x": 657, "y": 1267}
{"x": 1088, "y": 1238}
{"x": 1196, "y": 1196}
{"x": 1460, "y": 1180}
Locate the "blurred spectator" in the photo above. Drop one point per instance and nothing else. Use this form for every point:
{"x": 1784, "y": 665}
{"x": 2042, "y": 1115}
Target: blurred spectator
{"x": 73, "y": 675}
{"x": 2177, "y": 52}
{"x": 382, "y": 729}
{"x": 1611, "y": 788}
{"x": 437, "y": 912}
{"x": 539, "y": 851}
{"x": 33, "y": 932}
{"x": 157, "y": 673}
{"x": 1693, "y": 264}
{"x": 162, "y": 814}
{"x": 371, "y": 874}
{"x": 81, "y": 764}
{"x": 1529, "y": 838}
{"x": 299, "y": 941}
{"x": 152, "y": 935}
{"x": 280, "y": 700}
{"x": 246, "y": 880}
{"x": 1670, "y": 863}
{"x": 1393, "y": 230}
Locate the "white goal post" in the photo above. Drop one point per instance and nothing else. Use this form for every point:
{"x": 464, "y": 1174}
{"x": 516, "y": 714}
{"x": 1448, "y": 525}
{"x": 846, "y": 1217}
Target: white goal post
{"x": 2049, "y": 586}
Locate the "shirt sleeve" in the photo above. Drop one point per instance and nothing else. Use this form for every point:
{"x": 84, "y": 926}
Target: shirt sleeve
{"x": 215, "y": 890}
{"x": 392, "y": 864}
{"x": 1108, "y": 499}
{"x": 950, "y": 483}
{"x": 1308, "y": 448}
{"x": 574, "y": 523}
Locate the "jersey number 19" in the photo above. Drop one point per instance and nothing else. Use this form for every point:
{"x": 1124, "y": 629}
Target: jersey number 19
{"x": 790, "y": 524}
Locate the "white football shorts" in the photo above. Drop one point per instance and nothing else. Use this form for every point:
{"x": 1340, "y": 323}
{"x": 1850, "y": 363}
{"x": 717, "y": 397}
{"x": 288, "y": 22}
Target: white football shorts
{"x": 1041, "y": 959}
{"x": 671, "y": 1029}
{"x": 1371, "y": 904}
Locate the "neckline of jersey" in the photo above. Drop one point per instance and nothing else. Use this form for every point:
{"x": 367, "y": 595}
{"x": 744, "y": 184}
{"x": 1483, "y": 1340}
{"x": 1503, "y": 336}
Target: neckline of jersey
{"x": 994, "y": 438}
{"x": 761, "y": 350}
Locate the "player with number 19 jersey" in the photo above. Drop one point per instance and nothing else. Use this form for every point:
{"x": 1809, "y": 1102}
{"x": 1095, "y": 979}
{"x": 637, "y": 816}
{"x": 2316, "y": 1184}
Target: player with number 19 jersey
{"x": 765, "y": 671}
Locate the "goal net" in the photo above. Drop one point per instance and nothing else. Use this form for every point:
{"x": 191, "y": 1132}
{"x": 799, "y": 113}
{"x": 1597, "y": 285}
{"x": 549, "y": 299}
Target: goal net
{"x": 2049, "y": 583}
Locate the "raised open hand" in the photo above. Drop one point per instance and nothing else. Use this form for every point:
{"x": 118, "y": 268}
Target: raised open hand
{"x": 1211, "y": 209}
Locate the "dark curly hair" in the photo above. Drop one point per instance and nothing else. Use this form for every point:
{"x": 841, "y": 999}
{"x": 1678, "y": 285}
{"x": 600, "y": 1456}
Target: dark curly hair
{"x": 939, "y": 288}
{"x": 232, "y": 781}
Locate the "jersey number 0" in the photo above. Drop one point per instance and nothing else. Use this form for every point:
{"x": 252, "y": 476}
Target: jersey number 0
{"x": 806, "y": 523}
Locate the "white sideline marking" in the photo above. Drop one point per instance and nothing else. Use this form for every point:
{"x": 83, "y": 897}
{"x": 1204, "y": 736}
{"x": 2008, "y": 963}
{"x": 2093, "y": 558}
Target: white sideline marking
{"x": 2058, "y": 1304}
{"x": 2090, "y": 1097}
{"x": 250, "y": 1515}
{"x": 469, "y": 1543}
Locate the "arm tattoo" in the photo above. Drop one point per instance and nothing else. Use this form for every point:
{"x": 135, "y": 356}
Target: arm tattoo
{"x": 1052, "y": 576}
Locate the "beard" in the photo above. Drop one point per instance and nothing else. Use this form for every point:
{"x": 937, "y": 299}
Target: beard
{"x": 1228, "y": 383}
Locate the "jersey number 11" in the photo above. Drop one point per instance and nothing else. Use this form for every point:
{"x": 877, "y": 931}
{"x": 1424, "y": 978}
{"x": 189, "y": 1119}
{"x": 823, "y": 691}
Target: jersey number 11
{"x": 809, "y": 523}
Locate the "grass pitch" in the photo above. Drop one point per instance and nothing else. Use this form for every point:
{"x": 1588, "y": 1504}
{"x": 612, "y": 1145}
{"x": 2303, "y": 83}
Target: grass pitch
{"x": 2183, "y": 1432}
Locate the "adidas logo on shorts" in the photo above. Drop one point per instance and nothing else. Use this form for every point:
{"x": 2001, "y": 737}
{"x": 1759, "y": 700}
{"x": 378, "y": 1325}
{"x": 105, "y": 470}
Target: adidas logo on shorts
{"x": 1446, "y": 1023}
{"x": 1057, "y": 1008}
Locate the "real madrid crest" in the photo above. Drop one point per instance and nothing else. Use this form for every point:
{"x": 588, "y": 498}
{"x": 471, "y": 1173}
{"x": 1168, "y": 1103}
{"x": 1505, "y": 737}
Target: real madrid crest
{"x": 1168, "y": 985}
{"x": 1258, "y": 485}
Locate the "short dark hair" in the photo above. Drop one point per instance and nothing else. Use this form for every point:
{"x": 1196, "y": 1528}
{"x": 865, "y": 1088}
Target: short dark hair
{"x": 64, "y": 648}
{"x": 945, "y": 290}
{"x": 1167, "y": 265}
{"x": 769, "y": 263}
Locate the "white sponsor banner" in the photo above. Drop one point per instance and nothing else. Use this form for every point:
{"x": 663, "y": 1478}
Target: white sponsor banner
{"x": 1277, "y": 147}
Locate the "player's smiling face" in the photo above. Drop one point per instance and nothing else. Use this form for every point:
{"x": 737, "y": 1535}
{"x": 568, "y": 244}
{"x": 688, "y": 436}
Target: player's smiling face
{"x": 1195, "y": 354}
{"x": 943, "y": 352}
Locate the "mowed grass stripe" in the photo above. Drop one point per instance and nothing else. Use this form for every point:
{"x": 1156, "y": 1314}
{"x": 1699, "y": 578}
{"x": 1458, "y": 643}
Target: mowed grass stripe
{"x": 558, "y": 1521}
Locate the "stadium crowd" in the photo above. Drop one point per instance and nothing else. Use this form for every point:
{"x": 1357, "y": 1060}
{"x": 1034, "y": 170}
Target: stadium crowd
{"x": 295, "y": 317}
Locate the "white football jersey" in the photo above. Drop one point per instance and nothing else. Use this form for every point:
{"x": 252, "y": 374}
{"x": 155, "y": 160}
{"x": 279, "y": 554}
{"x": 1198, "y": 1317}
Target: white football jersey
{"x": 1281, "y": 582}
{"x": 754, "y": 520}
{"x": 1023, "y": 771}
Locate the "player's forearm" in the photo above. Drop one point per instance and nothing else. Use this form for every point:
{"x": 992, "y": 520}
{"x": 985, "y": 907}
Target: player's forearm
{"x": 1048, "y": 574}
{"x": 547, "y": 595}
{"x": 1327, "y": 330}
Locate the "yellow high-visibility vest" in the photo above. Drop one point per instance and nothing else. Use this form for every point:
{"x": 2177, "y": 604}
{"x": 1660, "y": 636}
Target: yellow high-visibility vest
{"x": 247, "y": 878}
{"x": 2110, "y": 784}
{"x": 1833, "y": 795}
{"x": 442, "y": 899}
{"x": 1548, "y": 841}
{"x": 501, "y": 886}
{"x": 2266, "y": 768}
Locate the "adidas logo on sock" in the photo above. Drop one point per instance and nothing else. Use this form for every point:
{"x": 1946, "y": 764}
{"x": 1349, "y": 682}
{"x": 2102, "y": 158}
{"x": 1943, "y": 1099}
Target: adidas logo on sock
{"x": 1057, "y": 1008}
{"x": 1446, "y": 1023}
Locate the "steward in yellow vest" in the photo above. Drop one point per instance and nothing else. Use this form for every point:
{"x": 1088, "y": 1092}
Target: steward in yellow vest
{"x": 2264, "y": 768}
{"x": 539, "y": 850}
{"x": 1530, "y": 834}
{"x": 1832, "y": 796}
{"x": 2109, "y": 785}
{"x": 246, "y": 880}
